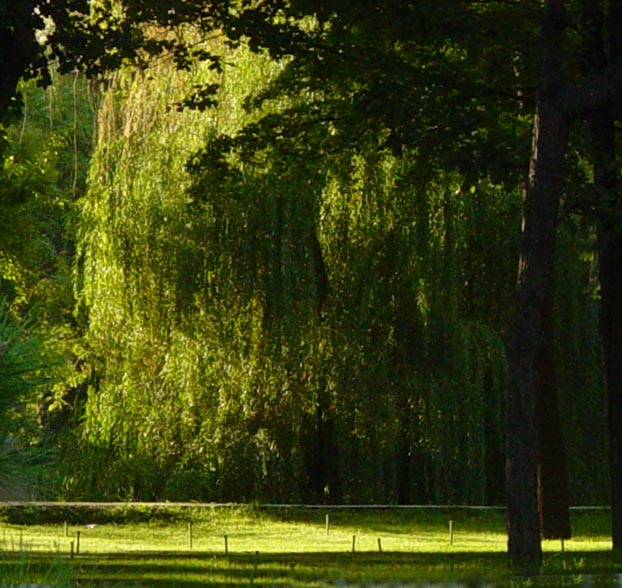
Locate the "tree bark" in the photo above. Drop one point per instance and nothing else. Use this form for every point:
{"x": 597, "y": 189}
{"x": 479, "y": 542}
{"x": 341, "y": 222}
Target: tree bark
{"x": 533, "y": 289}
{"x": 599, "y": 55}
{"x": 323, "y": 474}
{"x": 610, "y": 262}
{"x": 553, "y": 495}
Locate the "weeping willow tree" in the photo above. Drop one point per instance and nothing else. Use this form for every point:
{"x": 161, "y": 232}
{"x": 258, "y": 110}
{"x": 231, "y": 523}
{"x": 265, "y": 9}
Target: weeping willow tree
{"x": 285, "y": 322}
{"x": 580, "y": 362}
{"x": 174, "y": 327}
{"x": 423, "y": 373}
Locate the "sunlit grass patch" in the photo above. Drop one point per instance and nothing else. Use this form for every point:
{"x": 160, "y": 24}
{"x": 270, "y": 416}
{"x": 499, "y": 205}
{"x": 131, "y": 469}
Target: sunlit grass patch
{"x": 303, "y": 548}
{"x": 217, "y": 531}
{"x": 250, "y": 531}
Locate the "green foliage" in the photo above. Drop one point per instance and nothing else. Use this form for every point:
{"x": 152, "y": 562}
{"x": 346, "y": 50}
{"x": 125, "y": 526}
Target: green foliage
{"x": 23, "y": 365}
{"x": 22, "y": 570}
{"x": 24, "y": 514}
{"x": 580, "y": 362}
{"x": 295, "y": 267}
{"x": 258, "y": 310}
{"x": 43, "y": 172}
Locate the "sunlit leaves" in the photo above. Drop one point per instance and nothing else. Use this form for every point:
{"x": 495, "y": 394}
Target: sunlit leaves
{"x": 313, "y": 259}
{"x": 236, "y": 332}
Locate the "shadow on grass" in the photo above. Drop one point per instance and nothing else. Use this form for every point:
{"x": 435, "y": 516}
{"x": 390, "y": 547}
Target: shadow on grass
{"x": 303, "y": 570}
{"x": 392, "y": 520}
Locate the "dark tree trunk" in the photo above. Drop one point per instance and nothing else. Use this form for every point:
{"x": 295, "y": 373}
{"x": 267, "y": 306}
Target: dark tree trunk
{"x": 495, "y": 492}
{"x": 533, "y": 289}
{"x": 319, "y": 451}
{"x": 610, "y": 264}
{"x": 322, "y": 467}
{"x": 403, "y": 462}
{"x": 599, "y": 27}
{"x": 553, "y": 496}
{"x": 610, "y": 267}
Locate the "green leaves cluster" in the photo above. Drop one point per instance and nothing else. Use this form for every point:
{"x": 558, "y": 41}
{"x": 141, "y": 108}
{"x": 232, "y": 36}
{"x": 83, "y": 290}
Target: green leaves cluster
{"x": 43, "y": 171}
{"x": 297, "y": 249}
{"x": 278, "y": 327}
{"x": 23, "y": 373}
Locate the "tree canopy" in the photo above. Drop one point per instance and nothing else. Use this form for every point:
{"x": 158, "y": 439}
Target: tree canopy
{"x": 296, "y": 249}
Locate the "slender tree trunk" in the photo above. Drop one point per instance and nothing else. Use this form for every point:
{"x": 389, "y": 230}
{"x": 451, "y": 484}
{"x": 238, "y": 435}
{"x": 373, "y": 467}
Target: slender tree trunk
{"x": 599, "y": 26}
{"x": 553, "y": 496}
{"x": 323, "y": 474}
{"x": 403, "y": 462}
{"x": 533, "y": 289}
{"x": 610, "y": 264}
{"x": 495, "y": 492}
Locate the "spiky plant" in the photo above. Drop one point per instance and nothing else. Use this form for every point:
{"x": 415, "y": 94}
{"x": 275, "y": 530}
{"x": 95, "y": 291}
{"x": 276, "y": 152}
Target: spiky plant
{"x": 22, "y": 361}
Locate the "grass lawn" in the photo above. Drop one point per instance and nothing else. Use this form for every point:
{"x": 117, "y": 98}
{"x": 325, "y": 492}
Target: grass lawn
{"x": 292, "y": 548}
